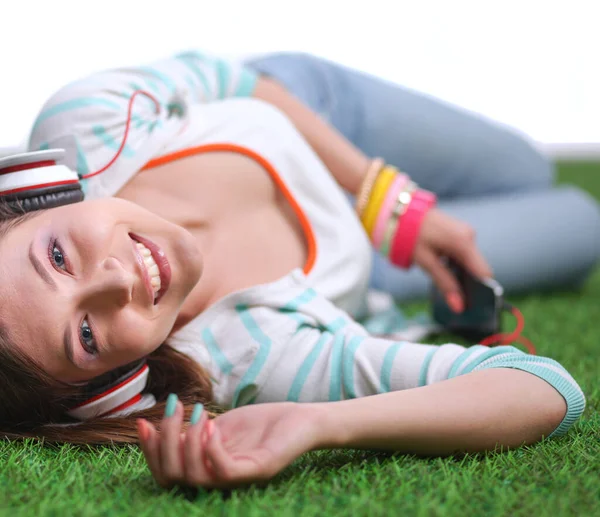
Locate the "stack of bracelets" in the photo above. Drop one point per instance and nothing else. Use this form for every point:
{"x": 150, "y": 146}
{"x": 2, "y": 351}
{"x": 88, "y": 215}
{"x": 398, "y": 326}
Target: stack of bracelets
{"x": 391, "y": 208}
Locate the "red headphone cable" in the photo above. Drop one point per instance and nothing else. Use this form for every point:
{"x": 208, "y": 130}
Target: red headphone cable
{"x": 126, "y": 133}
{"x": 511, "y": 337}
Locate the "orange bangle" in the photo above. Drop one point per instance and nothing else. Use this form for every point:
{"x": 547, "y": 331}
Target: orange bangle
{"x": 367, "y": 185}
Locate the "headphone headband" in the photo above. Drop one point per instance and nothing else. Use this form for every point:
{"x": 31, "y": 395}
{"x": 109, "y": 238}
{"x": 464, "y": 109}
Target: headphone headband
{"x": 31, "y": 160}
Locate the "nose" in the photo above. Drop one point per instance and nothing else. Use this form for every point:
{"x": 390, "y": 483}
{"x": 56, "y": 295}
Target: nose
{"x": 111, "y": 286}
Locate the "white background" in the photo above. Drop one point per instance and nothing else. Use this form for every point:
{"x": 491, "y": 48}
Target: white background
{"x": 532, "y": 64}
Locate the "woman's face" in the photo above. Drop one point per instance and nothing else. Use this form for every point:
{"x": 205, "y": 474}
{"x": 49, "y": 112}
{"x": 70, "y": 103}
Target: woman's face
{"x": 92, "y": 286}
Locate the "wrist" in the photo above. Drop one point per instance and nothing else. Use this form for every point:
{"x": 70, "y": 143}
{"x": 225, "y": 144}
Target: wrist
{"x": 330, "y": 431}
{"x": 391, "y": 208}
{"x": 409, "y": 227}
{"x": 366, "y": 185}
{"x": 361, "y": 166}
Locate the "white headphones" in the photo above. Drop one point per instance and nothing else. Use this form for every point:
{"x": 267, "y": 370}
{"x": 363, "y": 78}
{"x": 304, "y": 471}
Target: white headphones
{"x": 117, "y": 393}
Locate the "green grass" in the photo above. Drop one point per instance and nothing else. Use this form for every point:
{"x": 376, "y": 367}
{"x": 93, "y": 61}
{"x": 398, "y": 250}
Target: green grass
{"x": 560, "y": 477}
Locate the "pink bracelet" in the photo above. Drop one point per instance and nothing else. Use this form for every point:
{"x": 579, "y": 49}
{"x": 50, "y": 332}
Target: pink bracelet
{"x": 386, "y": 209}
{"x": 407, "y": 232}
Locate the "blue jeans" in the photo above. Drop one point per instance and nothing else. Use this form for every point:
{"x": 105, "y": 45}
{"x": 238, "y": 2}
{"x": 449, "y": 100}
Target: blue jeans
{"x": 533, "y": 234}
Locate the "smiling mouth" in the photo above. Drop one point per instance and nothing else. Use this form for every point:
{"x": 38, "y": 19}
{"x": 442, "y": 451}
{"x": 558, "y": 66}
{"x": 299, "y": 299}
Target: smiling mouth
{"x": 155, "y": 266}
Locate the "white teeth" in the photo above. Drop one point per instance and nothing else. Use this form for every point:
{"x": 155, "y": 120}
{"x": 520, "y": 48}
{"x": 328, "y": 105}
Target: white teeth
{"x": 145, "y": 252}
{"x": 151, "y": 267}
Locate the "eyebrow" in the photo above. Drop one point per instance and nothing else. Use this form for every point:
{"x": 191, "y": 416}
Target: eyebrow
{"x": 69, "y": 346}
{"x": 41, "y": 270}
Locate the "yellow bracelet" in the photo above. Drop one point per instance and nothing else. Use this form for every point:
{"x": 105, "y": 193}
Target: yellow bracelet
{"x": 367, "y": 185}
{"x": 382, "y": 184}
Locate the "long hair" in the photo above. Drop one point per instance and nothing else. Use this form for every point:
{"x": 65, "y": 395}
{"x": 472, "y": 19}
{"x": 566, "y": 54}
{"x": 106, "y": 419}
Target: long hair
{"x": 33, "y": 404}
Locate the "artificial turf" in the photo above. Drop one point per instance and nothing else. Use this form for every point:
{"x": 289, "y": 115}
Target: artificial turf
{"x": 560, "y": 477}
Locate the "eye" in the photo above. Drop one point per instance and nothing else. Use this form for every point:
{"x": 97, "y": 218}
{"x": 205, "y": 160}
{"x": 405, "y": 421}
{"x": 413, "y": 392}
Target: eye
{"x": 86, "y": 336}
{"x": 57, "y": 257}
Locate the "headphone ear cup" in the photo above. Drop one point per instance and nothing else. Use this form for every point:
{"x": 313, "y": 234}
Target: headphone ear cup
{"x": 37, "y": 181}
{"x": 114, "y": 393}
{"x": 105, "y": 382}
{"x": 44, "y": 198}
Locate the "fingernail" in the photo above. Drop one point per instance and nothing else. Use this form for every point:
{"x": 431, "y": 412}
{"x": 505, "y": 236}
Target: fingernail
{"x": 455, "y": 302}
{"x": 210, "y": 429}
{"x": 142, "y": 429}
{"x": 171, "y": 405}
{"x": 196, "y": 414}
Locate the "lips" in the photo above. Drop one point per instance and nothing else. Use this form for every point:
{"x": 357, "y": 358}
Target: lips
{"x": 164, "y": 268}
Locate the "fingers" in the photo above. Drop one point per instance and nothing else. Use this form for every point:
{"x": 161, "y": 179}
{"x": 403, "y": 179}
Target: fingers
{"x": 459, "y": 243}
{"x": 217, "y": 458}
{"x": 173, "y": 456}
{"x": 149, "y": 442}
{"x": 472, "y": 259}
{"x": 443, "y": 279}
{"x": 200, "y": 456}
{"x": 444, "y": 236}
{"x": 171, "y": 465}
{"x": 196, "y": 472}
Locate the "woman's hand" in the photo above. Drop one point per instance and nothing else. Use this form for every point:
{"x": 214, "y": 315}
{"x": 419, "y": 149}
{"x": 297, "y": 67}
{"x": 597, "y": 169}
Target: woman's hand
{"x": 245, "y": 445}
{"x": 444, "y": 236}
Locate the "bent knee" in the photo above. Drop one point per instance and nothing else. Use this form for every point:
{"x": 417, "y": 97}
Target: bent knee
{"x": 578, "y": 232}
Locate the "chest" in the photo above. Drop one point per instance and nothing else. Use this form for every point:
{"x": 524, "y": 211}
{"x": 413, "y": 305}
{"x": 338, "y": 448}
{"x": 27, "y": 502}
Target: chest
{"x": 245, "y": 228}
{"x": 202, "y": 190}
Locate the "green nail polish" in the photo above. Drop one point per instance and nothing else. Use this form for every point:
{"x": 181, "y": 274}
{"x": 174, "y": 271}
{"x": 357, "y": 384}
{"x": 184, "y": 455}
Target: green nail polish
{"x": 171, "y": 405}
{"x": 196, "y": 414}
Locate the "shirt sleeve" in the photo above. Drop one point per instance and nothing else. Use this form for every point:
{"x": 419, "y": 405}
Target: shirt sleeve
{"x": 285, "y": 342}
{"x": 330, "y": 364}
{"x": 88, "y": 118}
{"x": 212, "y": 78}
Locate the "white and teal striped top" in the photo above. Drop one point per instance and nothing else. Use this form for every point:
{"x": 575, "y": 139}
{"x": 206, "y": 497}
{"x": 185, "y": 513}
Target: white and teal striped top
{"x": 293, "y": 339}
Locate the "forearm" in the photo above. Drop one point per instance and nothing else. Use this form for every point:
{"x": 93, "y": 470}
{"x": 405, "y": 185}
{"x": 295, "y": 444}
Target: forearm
{"x": 347, "y": 163}
{"x": 470, "y": 413}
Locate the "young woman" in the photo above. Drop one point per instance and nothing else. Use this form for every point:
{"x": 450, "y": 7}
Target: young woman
{"x": 230, "y": 272}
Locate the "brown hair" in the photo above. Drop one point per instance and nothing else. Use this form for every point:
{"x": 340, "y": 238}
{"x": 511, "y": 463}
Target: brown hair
{"x": 32, "y": 403}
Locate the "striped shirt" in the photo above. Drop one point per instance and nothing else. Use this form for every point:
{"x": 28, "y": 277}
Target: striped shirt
{"x": 294, "y": 339}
